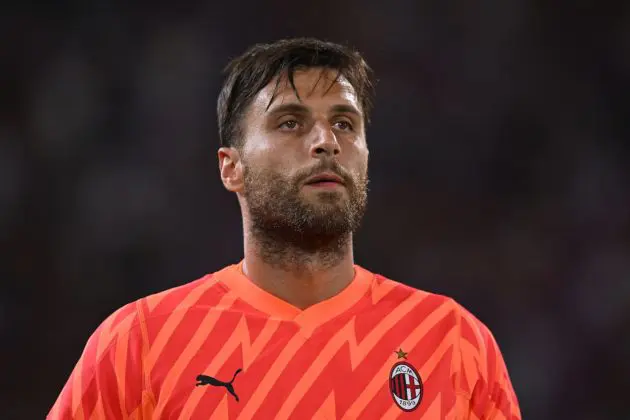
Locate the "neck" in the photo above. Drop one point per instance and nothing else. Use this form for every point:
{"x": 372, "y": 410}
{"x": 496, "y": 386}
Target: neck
{"x": 298, "y": 276}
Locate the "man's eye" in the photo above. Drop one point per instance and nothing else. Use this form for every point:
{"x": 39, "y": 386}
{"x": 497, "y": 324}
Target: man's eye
{"x": 289, "y": 125}
{"x": 344, "y": 125}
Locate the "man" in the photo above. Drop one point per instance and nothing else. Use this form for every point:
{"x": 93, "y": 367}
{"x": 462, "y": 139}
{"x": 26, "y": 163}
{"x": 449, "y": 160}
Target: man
{"x": 296, "y": 329}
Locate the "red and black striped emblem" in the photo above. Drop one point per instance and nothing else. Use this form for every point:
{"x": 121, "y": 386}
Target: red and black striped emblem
{"x": 405, "y": 386}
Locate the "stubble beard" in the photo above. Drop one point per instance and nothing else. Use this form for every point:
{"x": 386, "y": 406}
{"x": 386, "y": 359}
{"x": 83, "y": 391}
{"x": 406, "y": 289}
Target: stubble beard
{"x": 293, "y": 231}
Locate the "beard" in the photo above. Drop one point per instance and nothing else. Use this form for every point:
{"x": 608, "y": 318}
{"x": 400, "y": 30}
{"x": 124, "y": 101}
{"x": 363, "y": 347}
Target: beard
{"x": 293, "y": 229}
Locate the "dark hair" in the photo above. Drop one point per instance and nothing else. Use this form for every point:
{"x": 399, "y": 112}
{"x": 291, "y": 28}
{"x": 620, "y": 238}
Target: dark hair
{"x": 249, "y": 73}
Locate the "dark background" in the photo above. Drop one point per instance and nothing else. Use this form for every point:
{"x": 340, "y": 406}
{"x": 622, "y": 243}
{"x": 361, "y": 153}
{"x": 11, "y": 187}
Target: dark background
{"x": 499, "y": 165}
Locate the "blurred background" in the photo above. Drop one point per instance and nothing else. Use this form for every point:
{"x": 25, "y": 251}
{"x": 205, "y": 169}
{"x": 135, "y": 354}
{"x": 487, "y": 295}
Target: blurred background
{"x": 500, "y": 173}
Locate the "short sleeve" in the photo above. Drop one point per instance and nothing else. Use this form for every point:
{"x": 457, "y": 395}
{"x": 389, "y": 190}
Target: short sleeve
{"x": 107, "y": 381}
{"x": 485, "y": 375}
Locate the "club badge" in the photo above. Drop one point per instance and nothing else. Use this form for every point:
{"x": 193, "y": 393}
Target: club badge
{"x": 405, "y": 384}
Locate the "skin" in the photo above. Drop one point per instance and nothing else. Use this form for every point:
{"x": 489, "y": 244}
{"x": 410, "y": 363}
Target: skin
{"x": 298, "y": 237}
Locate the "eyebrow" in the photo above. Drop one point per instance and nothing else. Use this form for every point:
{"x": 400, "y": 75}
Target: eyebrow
{"x": 296, "y": 108}
{"x": 346, "y": 109}
{"x": 292, "y": 108}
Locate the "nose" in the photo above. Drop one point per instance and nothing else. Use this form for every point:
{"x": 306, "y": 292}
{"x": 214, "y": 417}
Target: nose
{"x": 324, "y": 142}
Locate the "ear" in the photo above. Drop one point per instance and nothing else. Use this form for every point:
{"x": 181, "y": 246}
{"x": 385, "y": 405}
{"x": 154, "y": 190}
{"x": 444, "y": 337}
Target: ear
{"x": 231, "y": 169}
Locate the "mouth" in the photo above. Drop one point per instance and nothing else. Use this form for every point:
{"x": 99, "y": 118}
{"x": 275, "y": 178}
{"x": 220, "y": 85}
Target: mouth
{"x": 326, "y": 179}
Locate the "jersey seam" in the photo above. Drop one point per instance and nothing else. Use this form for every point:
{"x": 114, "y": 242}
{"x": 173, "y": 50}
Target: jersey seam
{"x": 144, "y": 334}
{"x": 460, "y": 391}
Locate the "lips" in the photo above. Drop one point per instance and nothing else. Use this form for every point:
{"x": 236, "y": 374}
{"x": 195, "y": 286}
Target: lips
{"x": 325, "y": 177}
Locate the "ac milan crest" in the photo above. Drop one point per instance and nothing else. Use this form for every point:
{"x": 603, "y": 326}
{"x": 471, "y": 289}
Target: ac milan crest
{"x": 405, "y": 385}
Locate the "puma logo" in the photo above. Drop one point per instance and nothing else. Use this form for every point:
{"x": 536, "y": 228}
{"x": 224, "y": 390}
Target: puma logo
{"x": 209, "y": 380}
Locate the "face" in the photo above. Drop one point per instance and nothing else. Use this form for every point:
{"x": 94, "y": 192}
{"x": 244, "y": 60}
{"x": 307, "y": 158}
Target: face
{"x": 302, "y": 171}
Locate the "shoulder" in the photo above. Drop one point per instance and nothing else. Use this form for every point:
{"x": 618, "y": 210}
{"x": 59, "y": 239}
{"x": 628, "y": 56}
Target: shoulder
{"x": 203, "y": 292}
{"x": 386, "y": 289}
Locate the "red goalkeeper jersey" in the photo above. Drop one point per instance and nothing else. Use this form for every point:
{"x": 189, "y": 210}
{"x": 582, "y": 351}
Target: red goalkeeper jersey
{"x": 222, "y": 348}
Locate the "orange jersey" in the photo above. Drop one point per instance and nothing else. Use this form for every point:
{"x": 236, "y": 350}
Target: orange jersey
{"x": 222, "y": 348}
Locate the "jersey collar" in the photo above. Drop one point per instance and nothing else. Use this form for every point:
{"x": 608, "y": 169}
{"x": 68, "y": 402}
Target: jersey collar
{"x": 309, "y": 318}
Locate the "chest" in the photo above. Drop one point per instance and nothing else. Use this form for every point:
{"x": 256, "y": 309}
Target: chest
{"x": 281, "y": 373}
